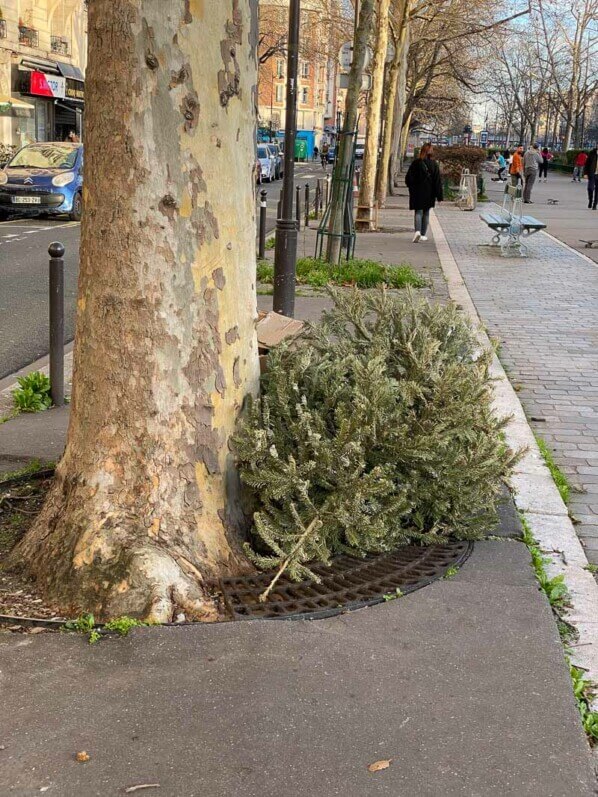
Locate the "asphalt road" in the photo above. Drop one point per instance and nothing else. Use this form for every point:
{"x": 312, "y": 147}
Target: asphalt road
{"x": 24, "y": 275}
{"x": 24, "y": 287}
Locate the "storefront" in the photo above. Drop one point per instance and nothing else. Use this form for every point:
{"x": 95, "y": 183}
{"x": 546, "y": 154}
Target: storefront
{"x": 56, "y": 92}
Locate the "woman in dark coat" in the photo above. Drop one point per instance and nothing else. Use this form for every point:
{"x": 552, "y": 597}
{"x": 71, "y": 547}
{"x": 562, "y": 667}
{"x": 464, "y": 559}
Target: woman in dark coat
{"x": 425, "y": 188}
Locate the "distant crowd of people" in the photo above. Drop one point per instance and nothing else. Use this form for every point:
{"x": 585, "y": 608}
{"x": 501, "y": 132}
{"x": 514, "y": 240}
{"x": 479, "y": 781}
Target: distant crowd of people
{"x": 528, "y": 166}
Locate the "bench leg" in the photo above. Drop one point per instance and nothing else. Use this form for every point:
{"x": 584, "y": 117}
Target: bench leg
{"x": 513, "y": 247}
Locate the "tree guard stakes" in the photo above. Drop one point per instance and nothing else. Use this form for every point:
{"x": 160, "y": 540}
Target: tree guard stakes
{"x": 56, "y": 281}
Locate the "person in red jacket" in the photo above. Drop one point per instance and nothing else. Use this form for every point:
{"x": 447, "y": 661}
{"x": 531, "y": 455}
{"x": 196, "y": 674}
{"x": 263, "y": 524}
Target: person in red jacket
{"x": 579, "y": 165}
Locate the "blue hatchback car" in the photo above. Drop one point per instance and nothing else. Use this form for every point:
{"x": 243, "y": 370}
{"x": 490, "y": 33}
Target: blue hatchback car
{"x": 43, "y": 179}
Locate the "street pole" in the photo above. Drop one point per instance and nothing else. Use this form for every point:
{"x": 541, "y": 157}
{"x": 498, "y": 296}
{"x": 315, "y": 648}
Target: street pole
{"x": 285, "y": 256}
{"x": 56, "y": 252}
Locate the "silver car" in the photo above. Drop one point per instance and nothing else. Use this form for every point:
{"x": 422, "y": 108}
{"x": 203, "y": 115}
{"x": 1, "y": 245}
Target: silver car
{"x": 267, "y": 163}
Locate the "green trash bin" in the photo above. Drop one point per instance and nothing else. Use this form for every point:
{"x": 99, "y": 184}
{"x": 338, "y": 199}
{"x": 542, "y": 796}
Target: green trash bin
{"x": 300, "y": 150}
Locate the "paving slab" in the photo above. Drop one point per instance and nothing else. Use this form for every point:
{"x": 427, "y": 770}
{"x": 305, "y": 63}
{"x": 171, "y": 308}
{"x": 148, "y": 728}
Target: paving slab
{"x": 463, "y": 687}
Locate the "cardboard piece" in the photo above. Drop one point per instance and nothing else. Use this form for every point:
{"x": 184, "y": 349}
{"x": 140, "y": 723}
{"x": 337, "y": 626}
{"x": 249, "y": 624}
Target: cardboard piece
{"x": 272, "y": 328}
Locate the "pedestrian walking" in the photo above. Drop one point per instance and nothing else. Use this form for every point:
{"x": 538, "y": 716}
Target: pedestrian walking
{"x": 501, "y": 166}
{"x": 424, "y": 182}
{"x": 324, "y": 154}
{"x": 316, "y": 153}
{"x": 532, "y": 160}
{"x": 546, "y": 158}
{"x": 579, "y": 166}
{"x": 516, "y": 167}
{"x": 591, "y": 172}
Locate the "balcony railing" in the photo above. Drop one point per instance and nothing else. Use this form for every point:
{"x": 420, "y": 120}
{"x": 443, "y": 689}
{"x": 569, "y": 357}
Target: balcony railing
{"x": 2, "y": 29}
{"x": 28, "y": 36}
{"x": 60, "y": 45}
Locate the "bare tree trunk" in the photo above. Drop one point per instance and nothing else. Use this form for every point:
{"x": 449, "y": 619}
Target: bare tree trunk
{"x": 145, "y": 510}
{"x": 400, "y": 102}
{"x": 345, "y": 154}
{"x": 384, "y": 177}
{"x": 405, "y": 135}
{"x": 367, "y": 186}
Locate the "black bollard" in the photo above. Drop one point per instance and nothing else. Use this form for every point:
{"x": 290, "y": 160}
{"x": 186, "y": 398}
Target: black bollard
{"x": 263, "y": 210}
{"x": 298, "y": 208}
{"x": 56, "y": 252}
{"x": 317, "y": 200}
{"x": 306, "y": 204}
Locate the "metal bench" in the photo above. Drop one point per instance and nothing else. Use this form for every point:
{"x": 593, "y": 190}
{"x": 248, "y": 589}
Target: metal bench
{"x": 510, "y": 225}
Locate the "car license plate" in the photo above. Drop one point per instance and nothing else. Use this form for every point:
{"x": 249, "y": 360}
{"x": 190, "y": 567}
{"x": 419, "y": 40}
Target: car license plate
{"x": 26, "y": 200}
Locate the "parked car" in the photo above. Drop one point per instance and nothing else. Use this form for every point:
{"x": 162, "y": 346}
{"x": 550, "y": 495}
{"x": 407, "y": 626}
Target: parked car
{"x": 267, "y": 162}
{"x": 44, "y": 179}
{"x": 331, "y": 154}
{"x": 275, "y": 148}
{"x": 359, "y": 150}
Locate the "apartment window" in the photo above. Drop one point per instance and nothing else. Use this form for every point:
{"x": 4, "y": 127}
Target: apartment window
{"x": 305, "y": 96}
{"x": 280, "y": 68}
{"x": 304, "y": 69}
{"x": 279, "y": 92}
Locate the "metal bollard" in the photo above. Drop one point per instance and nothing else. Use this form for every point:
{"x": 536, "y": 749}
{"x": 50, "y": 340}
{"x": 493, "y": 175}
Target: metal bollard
{"x": 279, "y": 209}
{"x": 306, "y": 204}
{"x": 317, "y": 200}
{"x": 56, "y": 252}
{"x": 298, "y": 208}
{"x": 263, "y": 209}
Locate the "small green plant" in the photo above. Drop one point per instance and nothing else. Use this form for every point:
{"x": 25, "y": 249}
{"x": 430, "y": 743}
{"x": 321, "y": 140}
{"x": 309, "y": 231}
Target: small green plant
{"x": 33, "y": 393}
{"x": 451, "y": 572}
{"x": 84, "y": 624}
{"x": 31, "y": 468}
{"x": 591, "y": 568}
{"x": 392, "y": 596}
{"x": 557, "y": 474}
{"x": 358, "y": 273}
{"x": 583, "y": 691}
{"x": 271, "y": 243}
{"x": 122, "y": 625}
{"x": 554, "y": 588}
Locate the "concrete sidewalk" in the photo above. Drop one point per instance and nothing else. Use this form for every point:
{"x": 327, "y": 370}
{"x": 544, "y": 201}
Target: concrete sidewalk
{"x": 463, "y": 685}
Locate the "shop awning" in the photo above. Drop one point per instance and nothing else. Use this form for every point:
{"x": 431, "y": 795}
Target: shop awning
{"x": 6, "y": 100}
{"x": 70, "y": 71}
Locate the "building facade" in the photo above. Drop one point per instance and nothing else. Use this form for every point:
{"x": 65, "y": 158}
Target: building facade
{"x": 43, "y": 55}
{"x": 318, "y": 68}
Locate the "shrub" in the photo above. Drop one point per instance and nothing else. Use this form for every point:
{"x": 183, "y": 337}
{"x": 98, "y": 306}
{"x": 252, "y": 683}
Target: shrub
{"x": 33, "y": 393}
{"x": 374, "y": 429}
{"x": 356, "y": 272}
{"x": 454, "y": 159}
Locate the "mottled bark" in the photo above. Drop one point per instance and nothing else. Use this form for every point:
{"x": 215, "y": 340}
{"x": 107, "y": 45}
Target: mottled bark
{"x": 367, "y": 185}
{"x": 396, "y": 157}
{"x": 146, "y": 511}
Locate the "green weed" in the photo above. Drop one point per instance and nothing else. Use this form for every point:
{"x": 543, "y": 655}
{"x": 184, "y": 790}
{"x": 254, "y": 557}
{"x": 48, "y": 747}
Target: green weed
{"x": 557, "y": 474}
{"x": 591, "y": 568}
{"x": 271, "y": 243}
{"x": 33, "y": 393}
{"x": 31, "y": 468}
{"x": 451, "y": 572}
{"x": 360, "y": 273}
{"x": 392, "y": 596}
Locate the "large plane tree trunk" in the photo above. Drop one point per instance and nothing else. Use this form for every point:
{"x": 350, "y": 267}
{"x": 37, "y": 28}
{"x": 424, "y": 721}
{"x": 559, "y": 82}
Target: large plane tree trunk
{"x": 146, "y": 508}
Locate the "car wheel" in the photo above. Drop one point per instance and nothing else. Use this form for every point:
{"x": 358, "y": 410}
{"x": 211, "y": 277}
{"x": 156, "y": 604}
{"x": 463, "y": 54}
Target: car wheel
{"x": 77, "y": 211}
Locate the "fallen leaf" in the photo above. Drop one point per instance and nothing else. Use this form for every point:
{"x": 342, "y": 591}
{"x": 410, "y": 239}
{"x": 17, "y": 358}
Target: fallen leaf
{"x": 82, "y": 757}
{"x": 379, "y": 765}
{"x": 131, "y": 789}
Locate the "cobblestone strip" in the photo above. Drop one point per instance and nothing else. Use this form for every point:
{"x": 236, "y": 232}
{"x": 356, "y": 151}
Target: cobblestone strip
{"x": 471, "y": 278}
{"x": 544, "y": 312}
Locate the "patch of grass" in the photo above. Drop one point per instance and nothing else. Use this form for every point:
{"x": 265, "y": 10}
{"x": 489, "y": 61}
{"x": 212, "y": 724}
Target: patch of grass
{"x": 271, "y": 243}
{"x": 392, "y": 596}
{"x": 451, "y": 572}
{"x": 556, "y": 591}
{"x": 591, "y": 568}
{"x": 31, "y": 468}
{"x": 360, "y": 273}
{"x": 85, "y": 624}
{"x": 557, "y": 474}
{"x": 33, "y": 393}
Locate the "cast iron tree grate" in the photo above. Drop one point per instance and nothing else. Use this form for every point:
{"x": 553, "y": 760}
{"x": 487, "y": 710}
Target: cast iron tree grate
{"x": 349, "y": 583}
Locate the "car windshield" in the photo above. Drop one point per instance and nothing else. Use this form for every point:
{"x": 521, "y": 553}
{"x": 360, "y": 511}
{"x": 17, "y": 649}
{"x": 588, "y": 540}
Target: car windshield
{"x": 45, "y": 156}
{"x": 262, "y": 152}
